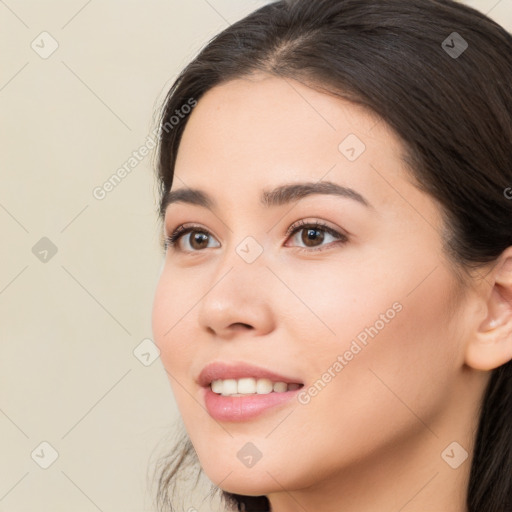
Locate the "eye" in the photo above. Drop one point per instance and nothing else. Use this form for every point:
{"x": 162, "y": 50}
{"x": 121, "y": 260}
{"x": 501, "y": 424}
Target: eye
{"x": 198, "y": 240}
{"x": 314, "y": 233}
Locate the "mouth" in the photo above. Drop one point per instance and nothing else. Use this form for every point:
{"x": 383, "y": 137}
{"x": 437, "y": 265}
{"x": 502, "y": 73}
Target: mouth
{"x": 239, "y": 391}
{"x": 251, "y": 386}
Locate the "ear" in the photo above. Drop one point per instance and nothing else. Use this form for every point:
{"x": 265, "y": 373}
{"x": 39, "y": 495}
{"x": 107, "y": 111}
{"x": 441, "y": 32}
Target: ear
{"x": 490, "y": 345}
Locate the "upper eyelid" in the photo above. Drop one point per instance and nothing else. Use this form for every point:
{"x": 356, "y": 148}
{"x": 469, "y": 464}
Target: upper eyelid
{"x": 294, "y": 225}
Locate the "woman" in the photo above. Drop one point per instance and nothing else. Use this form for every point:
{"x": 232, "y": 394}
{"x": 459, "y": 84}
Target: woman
{"x": 334, "y": 310}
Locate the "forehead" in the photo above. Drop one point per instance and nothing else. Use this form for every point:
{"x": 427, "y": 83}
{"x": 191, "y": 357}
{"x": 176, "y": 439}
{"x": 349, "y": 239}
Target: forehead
{"x": 261, "y": 131}
{"x": 246, "y": 116}
{"x": 281, "y": 111}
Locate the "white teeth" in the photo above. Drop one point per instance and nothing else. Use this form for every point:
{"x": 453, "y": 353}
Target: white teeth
{"x": 229, "y": 387}
{"x": 250, "y": 386}
{"x": 217, "y": 386}
{"x": 280, "y": 387}
{"x": 246, "y": 386}
{"x": 264, "y": 386}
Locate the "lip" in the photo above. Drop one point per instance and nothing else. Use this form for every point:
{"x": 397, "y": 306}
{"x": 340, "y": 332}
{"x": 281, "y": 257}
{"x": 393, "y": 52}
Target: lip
{"x": 222, "y": 370}
{"x": 242, "y": 408}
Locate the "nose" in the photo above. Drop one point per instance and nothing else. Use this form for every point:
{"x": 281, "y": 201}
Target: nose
{"x": 238, "y": 302}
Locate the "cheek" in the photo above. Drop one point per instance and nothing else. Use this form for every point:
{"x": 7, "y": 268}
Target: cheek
{"x": 397, "y": 381}
{"x": 172, "y": 305}
{"x": 400, "y": 355}
{"x": 325, "y": 309}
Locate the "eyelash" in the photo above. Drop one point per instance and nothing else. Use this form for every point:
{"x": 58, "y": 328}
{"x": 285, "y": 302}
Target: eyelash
{"x": 180, "y": 231}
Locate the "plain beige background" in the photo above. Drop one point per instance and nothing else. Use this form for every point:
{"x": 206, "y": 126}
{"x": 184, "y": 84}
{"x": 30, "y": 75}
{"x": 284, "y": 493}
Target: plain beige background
{"x": 79, "y": 372}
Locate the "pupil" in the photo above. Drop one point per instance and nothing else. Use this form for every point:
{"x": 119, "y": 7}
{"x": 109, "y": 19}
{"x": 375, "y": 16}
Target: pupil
{"x": 312, "y": 234}
{"x": 198, "y": 237}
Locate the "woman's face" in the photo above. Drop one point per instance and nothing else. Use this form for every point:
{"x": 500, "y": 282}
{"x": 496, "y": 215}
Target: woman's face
{"x": 359, "y": 310}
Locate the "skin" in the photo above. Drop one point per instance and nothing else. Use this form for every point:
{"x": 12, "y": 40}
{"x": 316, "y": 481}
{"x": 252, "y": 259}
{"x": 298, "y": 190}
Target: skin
{"x": 372, "y": 438}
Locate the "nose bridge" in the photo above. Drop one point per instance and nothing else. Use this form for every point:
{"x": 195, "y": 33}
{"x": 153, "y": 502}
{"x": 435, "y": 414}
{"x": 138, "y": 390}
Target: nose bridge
{"x": 237, "y": 292}
{"x": 247, "y": 250}
{"x": 243, "y": 268}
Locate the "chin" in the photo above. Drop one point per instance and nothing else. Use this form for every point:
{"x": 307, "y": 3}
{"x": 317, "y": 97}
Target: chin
{"x": 237, "y": 479}
{"x": 249, "y": 486}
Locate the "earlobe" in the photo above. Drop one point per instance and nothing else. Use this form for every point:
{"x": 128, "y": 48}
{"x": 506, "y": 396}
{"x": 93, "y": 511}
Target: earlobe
{"x": 490, "y": 345}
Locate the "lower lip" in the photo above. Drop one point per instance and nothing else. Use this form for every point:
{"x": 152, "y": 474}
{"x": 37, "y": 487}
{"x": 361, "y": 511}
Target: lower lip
{"x": 243, "y": 408}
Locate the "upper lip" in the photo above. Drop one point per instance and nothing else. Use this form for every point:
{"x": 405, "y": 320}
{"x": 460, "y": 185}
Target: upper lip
{"x": 223, "y": 370}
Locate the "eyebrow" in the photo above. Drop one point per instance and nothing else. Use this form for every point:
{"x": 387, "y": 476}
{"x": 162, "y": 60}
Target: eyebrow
{"x": 279, "y": 196}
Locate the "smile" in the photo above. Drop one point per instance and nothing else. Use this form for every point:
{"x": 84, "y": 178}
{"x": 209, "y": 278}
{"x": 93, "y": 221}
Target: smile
{"x": 250, "y": 386}
{"x": 240, "y": 391}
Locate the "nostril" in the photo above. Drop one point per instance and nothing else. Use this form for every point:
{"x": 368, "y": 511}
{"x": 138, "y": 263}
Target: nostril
{"x": 241, "y": 325}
